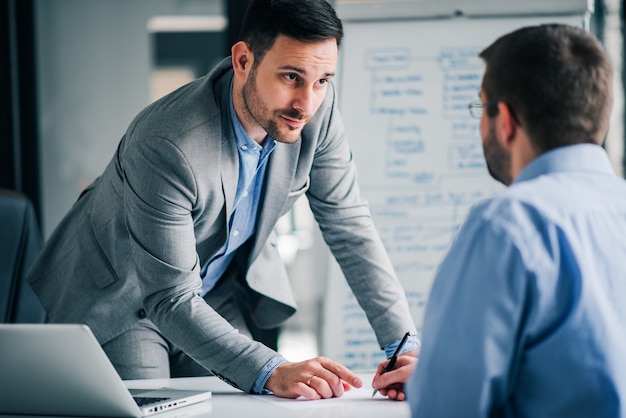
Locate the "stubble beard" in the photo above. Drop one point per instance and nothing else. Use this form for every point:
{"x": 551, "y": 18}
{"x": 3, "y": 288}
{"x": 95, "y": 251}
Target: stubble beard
{"x": 498, "y": 160}
{"x": 256, "y": 109}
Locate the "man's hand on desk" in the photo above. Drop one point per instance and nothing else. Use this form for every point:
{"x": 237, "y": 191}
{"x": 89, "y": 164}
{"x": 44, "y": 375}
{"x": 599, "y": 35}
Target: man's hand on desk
{"x": 391, "y": 383}
{"x": 318, "y": 378}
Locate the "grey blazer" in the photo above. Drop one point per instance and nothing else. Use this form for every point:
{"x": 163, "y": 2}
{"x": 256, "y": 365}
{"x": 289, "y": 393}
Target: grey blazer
{"x": 134, "y": 242}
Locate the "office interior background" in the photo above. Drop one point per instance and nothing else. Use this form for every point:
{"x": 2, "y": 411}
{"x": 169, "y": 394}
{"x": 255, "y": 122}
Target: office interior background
{"x": 74, "y": 73}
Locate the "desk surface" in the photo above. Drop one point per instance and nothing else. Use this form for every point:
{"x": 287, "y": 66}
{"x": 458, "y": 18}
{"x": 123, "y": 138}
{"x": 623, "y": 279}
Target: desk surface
{"x": 230, "y": 402}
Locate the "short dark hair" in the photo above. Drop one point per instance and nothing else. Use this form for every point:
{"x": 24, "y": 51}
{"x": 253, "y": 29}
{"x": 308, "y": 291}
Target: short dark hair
{"x": 303, "y": 20}
{"x": 558, "y": 81}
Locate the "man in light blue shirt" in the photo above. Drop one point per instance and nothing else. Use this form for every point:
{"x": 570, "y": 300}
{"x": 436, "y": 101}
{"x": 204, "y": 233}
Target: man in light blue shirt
{"x": 527, "y": 316}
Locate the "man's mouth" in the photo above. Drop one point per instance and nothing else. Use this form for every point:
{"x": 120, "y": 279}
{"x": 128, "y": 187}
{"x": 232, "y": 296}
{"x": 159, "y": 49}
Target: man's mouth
{"x": 294, "y": 122}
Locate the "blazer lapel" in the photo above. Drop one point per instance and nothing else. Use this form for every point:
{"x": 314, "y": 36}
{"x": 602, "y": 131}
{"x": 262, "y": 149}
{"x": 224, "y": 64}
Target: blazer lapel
{"x": 229, "y": 172}
{"x": 229, "y": 163}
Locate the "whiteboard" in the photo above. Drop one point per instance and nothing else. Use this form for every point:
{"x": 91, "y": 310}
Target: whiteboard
{"x": 404, "y": 90}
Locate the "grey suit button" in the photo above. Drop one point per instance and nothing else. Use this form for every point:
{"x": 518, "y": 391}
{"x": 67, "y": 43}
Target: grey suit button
{"x": 141, "y": 313}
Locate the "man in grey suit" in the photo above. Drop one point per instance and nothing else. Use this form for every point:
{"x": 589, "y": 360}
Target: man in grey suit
{"x": 170, "y": 257}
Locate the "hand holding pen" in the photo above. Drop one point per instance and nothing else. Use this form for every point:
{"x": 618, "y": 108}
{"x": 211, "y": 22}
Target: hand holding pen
{"x": 391, "y": 384}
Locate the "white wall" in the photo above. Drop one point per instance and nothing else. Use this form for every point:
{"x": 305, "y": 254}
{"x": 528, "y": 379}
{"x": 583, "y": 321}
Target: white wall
{"x": 94, "y": 68}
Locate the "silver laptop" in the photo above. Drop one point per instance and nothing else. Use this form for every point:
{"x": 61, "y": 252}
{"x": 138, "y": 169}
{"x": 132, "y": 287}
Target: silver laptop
{"x": 60, "y": 369}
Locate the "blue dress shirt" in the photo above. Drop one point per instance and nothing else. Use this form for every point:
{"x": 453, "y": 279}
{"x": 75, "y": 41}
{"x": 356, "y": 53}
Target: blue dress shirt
{"x": 527, "y": 314}
{"x": 242, "y": 223}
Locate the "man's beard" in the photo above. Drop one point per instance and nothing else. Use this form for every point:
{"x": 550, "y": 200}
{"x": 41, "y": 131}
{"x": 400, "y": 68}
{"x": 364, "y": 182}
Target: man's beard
{"x": 497, "y": 158}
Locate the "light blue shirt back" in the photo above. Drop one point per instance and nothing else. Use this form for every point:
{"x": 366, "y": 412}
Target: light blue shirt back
{"x": 527, "y": 314}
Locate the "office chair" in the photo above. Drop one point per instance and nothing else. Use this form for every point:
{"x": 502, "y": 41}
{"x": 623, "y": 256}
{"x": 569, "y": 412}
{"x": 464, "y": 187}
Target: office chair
{"x": 20, "y": 243}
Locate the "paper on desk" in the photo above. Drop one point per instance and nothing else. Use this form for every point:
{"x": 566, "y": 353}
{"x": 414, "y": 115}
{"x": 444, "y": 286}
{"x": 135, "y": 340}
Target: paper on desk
{"x": 353, "y": 396}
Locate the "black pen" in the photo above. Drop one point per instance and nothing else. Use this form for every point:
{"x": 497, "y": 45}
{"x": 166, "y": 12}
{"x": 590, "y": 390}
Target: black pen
{"x": 392, "y": 360}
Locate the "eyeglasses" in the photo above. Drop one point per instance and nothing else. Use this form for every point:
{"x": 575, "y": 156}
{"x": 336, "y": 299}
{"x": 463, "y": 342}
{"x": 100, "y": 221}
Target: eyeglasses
{"x": 476, "y": 108}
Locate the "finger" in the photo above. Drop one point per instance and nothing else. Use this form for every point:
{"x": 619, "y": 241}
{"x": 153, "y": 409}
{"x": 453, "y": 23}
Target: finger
{"x": 333, "y": 382}
{"x": 392, "y": 391}
{"x": 389, "y": 378}
{"x": 302, "y": 389}
{"x": 395, "y": 394}
{"x": 380, "y": 368}
{"x": 341, "y": 371}
{"x": 330, "y": 372}
{"x": 322, "y": 387}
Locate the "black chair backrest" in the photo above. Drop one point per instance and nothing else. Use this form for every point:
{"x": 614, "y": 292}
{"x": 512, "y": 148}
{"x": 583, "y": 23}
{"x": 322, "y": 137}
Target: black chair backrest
{"x": 20, "y": 243}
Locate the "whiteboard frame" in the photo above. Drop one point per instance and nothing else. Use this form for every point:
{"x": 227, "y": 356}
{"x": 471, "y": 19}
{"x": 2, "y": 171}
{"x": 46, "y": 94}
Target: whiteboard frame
{"x": 359, "y": 10}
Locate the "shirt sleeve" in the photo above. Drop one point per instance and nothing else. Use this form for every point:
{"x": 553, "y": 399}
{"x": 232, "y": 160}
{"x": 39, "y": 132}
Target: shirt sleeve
{"x": 412, "y": 343}
{"x": 259, "y": 384}
{"x": 471, "y": 325}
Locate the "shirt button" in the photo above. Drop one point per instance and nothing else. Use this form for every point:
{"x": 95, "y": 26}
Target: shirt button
{"x": 235, "y": 233}
{"x": 141, "y": 313}
{"x": 245, "y": 193}
{"x": 244, "y": 147}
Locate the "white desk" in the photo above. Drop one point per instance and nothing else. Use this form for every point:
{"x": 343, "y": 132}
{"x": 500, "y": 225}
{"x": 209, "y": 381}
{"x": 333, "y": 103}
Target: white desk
{"x": 228, "y": 402}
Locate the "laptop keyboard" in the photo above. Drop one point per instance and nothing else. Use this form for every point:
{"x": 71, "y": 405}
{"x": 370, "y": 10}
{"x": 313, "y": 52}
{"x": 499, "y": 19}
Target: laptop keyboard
{"x": 143, "y": 401}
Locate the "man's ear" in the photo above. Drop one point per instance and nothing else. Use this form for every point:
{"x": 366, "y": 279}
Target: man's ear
{"x": 506, "y": 125}
{"x": 242, "y": 58}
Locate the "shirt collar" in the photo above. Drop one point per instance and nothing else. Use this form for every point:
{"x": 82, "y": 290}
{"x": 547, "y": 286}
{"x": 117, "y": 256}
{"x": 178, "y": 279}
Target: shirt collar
{"x": 580, "y": 157}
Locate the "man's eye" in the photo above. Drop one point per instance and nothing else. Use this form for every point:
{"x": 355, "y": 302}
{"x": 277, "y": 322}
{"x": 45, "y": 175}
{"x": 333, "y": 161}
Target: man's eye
{"x": 291, "y": 77}
{"x": 323, "y": 81}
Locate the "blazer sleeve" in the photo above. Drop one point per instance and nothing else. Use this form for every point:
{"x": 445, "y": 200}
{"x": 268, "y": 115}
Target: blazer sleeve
{"x": 160, "y": 193}
{"x": 347, "y": 227}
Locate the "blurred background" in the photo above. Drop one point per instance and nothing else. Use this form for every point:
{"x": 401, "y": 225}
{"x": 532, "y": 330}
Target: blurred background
{"x": 74, "y": 73}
